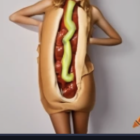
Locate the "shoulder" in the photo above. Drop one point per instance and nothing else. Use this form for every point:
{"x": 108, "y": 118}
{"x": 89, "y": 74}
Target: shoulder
{"x": 96, "y": 12}
{"x": 44, "y": 3}
{"x": 95, "y": 9}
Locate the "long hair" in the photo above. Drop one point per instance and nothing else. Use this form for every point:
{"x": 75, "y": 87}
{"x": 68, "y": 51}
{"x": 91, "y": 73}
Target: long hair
{"x": 85, "y": 4}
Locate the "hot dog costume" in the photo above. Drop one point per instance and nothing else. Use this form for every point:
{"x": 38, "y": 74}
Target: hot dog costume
{"x": 65, "y": 72}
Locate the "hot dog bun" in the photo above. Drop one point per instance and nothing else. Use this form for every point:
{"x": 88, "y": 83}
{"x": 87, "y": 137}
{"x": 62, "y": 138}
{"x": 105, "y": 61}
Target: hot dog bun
{"x": 49, "y": 86}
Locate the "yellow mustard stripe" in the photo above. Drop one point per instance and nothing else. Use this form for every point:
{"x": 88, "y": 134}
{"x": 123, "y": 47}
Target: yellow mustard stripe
{"x": 67, "y": 56}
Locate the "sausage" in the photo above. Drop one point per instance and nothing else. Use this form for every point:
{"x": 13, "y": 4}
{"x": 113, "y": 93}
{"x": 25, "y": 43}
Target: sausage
{"x": 65, "y": 50}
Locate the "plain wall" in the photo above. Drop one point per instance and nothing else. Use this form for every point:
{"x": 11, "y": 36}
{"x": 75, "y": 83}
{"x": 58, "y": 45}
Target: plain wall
{"x": 117, "y": 72}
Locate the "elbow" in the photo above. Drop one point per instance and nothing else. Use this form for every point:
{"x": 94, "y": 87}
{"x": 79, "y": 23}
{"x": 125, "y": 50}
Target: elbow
{"x": 13, "y": 17}
{"x": 119, "y": 41}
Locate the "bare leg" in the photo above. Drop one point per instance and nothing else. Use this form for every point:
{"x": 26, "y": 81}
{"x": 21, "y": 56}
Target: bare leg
{"x": 80, "y": 122}
{"x": 61, "y": 122}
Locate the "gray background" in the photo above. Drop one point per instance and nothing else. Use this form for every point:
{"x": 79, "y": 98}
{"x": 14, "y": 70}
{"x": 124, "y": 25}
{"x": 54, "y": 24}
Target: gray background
{"x": 117, "y": 72}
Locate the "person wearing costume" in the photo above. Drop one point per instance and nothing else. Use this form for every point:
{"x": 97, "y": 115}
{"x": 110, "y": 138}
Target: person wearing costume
{"x": 65, "y": 71}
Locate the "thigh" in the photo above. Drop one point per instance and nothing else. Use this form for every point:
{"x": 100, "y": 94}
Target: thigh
{"x": 80, "y": 121}
{"x": 61, "y": 122}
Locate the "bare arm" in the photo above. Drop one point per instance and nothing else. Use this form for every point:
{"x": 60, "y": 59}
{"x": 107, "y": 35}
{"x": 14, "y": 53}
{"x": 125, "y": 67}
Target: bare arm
{"x": 23, "y": 15}
{"x": 99, "y": 20}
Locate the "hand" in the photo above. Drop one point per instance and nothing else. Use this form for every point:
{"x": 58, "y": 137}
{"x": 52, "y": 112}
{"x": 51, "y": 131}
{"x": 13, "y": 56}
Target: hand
{"x": 39, "y": 30}
{"x": 90, "y": 41}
